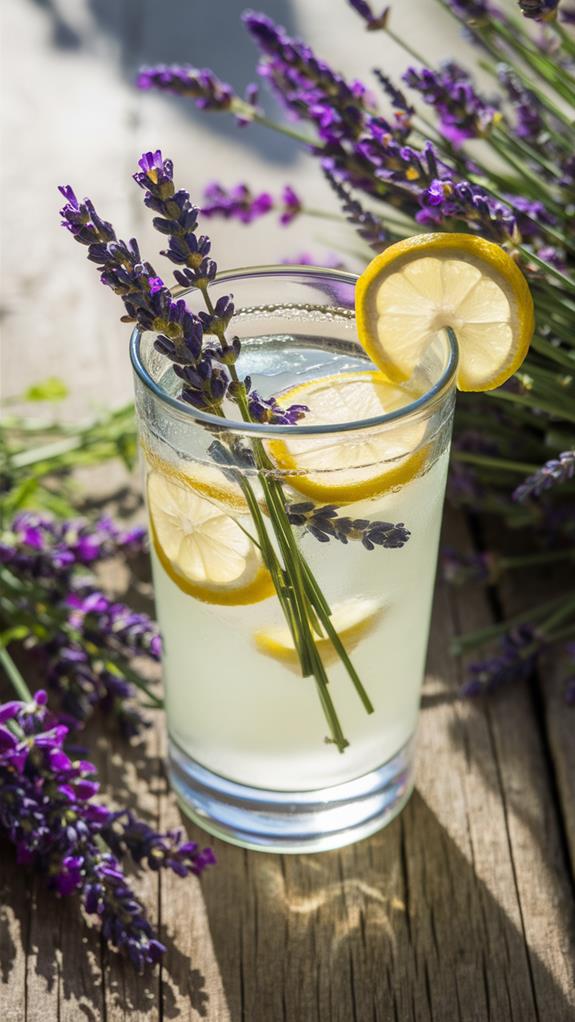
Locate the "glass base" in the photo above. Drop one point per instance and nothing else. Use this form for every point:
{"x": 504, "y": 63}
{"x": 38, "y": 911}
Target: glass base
{"x": 292, "y": 821}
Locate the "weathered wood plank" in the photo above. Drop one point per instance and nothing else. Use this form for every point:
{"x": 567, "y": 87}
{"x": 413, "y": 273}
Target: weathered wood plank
{"x": 14, "y": 924}
{"x": 537, "y": 768}
{"x": 560, "y": 721}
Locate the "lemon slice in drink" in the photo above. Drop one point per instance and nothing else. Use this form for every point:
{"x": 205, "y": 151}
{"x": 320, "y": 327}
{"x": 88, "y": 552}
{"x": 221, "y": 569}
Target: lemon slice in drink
{"x": 352, "y": 619}
{"x": 423, "y": 284}
{"x": 202, "y": 549}
{"x": 351, "y": 466}
{"x": 206, "y": 480}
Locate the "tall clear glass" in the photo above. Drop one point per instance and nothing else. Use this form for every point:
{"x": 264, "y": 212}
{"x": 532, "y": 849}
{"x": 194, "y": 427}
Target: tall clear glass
{"x": 249, "y": 753}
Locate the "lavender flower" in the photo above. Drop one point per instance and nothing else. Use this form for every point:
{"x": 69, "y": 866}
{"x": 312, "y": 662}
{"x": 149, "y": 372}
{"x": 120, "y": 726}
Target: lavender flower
{"x": 200, "y": 85}
{"x": 514, "y": 662}
{"x": 539, "y": 10}
{"x": 306, "y": 85}
{"x": 268, "y": 410}
{"x": 240, "y": 203}
{"x": 325, "y": 523}
{"x": 473, "y": 11}
{"x": 369, "y": 227}
{"x": 459, "y": 569}
{"x": 84, "y": 640}
{"x": 203, "y": 369}
{"x": 47, "y": 811}
{"x": 463, "y": 113}
{"x": 237, "y": 203}
{"x": 205, "y": 383}
{"x": 556, "y": 470}
{"x": 403, "y": 110}
{"x": 445, "y": 201}
{"x": 528, "y": 110}
{"x": 373, "y": 21}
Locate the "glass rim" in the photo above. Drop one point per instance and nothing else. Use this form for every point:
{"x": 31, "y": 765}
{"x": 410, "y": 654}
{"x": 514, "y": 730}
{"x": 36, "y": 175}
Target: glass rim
{"x": 429, "y": 398}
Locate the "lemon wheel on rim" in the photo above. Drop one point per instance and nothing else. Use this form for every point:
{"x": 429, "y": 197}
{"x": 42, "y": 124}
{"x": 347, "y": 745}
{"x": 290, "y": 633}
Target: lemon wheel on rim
{"x": 426, "y": 283}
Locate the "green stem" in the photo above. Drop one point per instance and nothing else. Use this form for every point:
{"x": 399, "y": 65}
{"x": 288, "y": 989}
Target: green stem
{"x": 308, "y": 601}
{"x": 464, "y": 643}
{"x": 527, "y": 402}
{"x": 251, "y": 113}
{"x": 522, "y": 468}
{"x": 132, "y": 676}
{"x": 532, "y": 560}
{"x": 544, "y": 347}
{"x": 567, "y": 608}
{"x": 14, "y": 676}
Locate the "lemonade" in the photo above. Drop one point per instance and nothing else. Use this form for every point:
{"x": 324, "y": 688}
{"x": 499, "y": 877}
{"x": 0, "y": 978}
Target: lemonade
{"x": 248, "y": 750}
{"x": 241, "y": 708}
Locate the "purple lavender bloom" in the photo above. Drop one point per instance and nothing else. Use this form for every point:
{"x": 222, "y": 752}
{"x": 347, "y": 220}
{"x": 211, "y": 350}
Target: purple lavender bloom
{"x": 514, "y": 662}
{"x": 240, "y": 203}
{"x": 568, "y": 16}
{"x": 535, "y": 214}
{"x": 539, "y": 10}
{"x": 445, "y": 200}
{"x": 237, "y": 203}
{"x": 291, "y": 205}
{"x": 459, "y": 569}
{"x": 201, "y": 85}
{"x": 474, "y": 11}
{"x": 325, "y": 523}
{"x": 47, "y": 811}
{"x": 528, "y": 110}
{"x": 306, "y": 85}
{"x": 369, "y": 227}
{"x": 462, "y": 111}
{"x": 556, "y": 470}
{"x": 267, "y": 410}
{"x": 403, "y": 110}
{"x": 80, "y": 630}
{"x": 373, "y": 21}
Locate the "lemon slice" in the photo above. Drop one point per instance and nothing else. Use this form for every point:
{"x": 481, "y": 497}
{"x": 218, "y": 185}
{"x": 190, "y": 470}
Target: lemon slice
{"x": 206, "y": 480}
{"x": 352, "y": 619}
{"x": 204, "y": 550}
{"x": 426, "y": 283}
{"x": 355, "y": 465}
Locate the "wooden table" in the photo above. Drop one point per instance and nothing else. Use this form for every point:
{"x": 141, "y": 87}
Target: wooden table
{"x": 463, "y": 908}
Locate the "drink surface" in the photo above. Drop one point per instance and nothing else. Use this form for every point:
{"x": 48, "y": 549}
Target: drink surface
{"x": 236, "y": 700}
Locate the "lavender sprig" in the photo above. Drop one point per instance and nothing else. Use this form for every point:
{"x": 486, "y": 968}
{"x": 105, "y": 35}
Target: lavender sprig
{"x": 369, "y": 227}
{"x": 373, "y": 22}
{"x": 85, "y": 641}
{"x": 555, "y": 471}
{"x": 201, "y": 85}
{"x": 463, "y": 113}
{"x": 47, "y": 810}
{"x": 206, "y": 383}
{"x": 514, "y": 662}
{"x": 539, "y": 10}
{"x": 240, "y": 203}
{"x": 325, "y": 523}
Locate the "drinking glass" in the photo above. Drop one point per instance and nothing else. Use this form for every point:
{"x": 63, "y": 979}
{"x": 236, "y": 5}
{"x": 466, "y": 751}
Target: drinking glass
{"x": 250, "y": 754}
